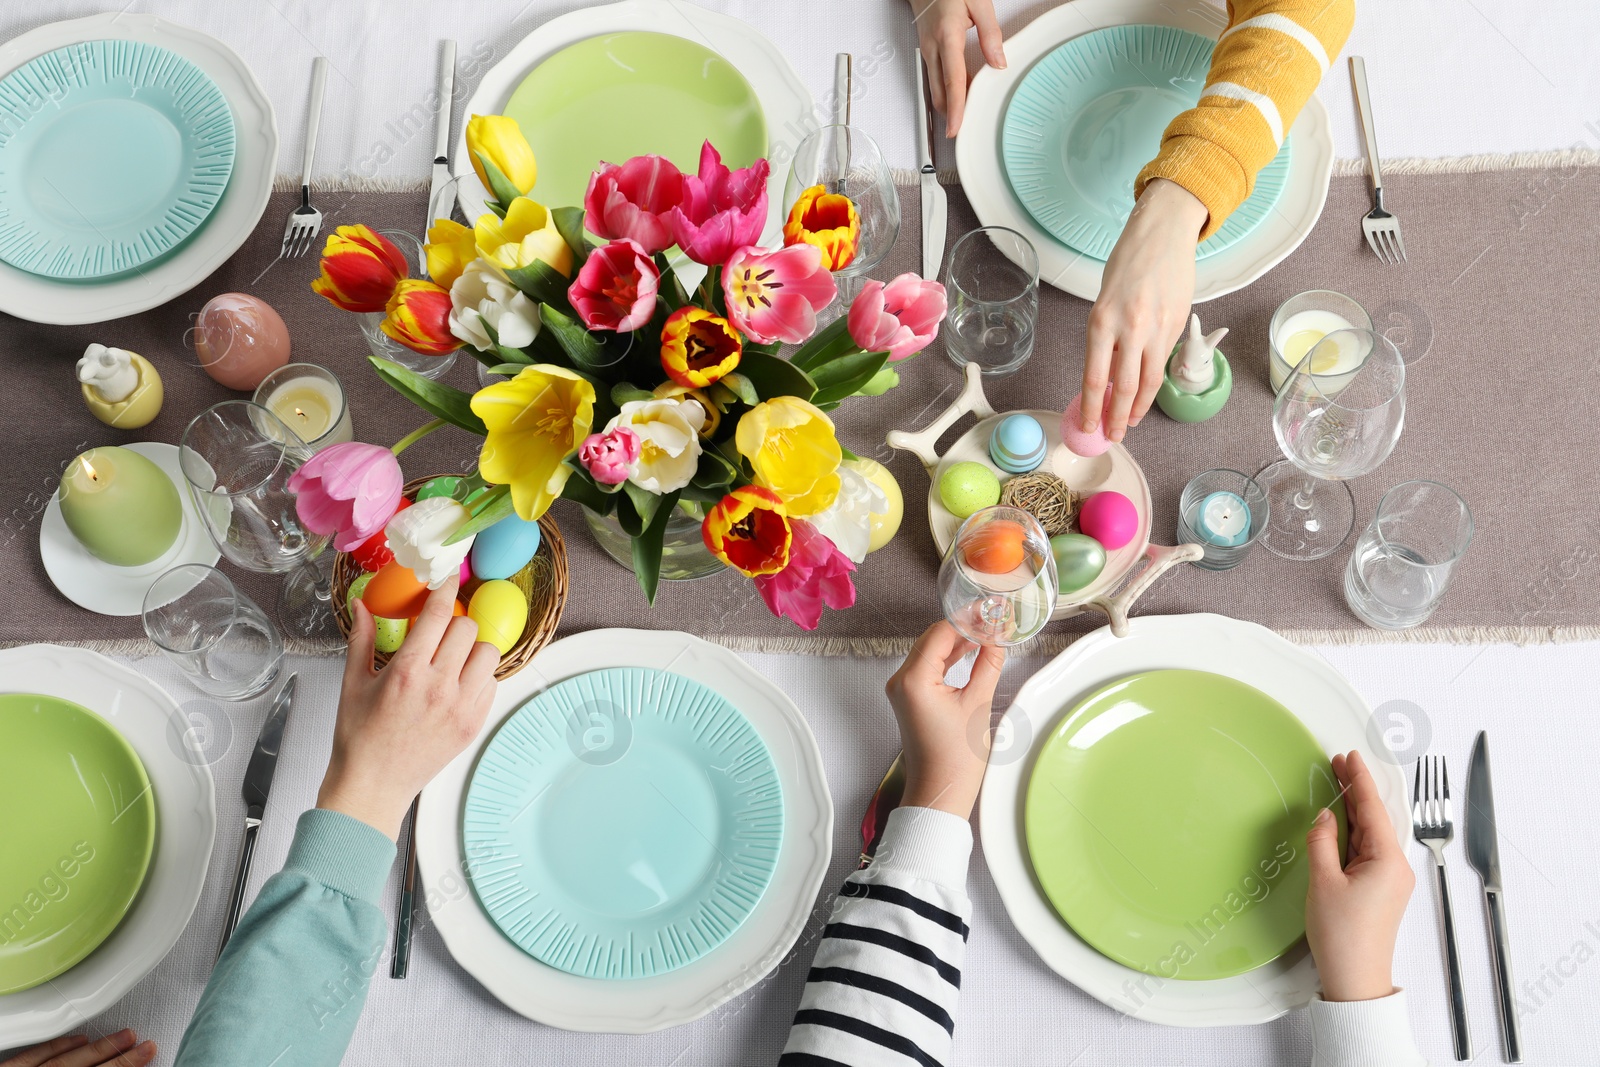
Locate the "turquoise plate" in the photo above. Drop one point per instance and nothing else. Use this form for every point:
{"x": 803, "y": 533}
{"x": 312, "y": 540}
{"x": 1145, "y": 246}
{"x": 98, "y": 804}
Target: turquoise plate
{"x": 111, "y": 154}
{"x": 622, "y": 823}
{"x": 1087, "y": 118}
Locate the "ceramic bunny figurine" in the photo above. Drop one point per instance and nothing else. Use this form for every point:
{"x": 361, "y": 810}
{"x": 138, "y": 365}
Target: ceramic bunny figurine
{"x": 110, "y": 371}
{"x": 121, "y": 388}
{"x": 1194, "y": 372}
{"x": 1198, "y": 380}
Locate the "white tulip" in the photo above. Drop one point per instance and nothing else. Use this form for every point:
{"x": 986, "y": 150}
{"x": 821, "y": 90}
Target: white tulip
{"x": 482, "y": 296}
{"x": 847, "y": 522}
{"x": 417, "y": 538}
{"x": 669, "y": 430}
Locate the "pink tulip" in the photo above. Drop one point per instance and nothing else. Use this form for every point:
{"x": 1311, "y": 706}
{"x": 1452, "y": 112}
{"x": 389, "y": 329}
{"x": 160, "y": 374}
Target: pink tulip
{"x": 901, "y": 318}
{"x": 721, "y": 210}
{"x": 612, "y": 457}
{"x": 775, "y": 296}
{"x": 348, "y": 490}
{"x": 632, "y": 201}
{"x": 818, "y": 574}
{"x": 616, "y": 288}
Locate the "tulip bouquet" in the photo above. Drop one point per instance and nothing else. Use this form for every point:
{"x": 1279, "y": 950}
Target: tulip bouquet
{"x": 638, "y": 388}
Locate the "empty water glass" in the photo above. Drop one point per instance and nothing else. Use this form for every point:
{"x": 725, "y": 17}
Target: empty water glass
{"x": 1404, "y": 560}
{"x": 218, "y": 636}
{"x": 993, "y": 288}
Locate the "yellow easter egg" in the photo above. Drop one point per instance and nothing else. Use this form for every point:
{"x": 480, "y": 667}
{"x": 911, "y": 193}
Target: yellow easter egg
{"x": 886, "y": 524}
{"x": 501, "y": 611}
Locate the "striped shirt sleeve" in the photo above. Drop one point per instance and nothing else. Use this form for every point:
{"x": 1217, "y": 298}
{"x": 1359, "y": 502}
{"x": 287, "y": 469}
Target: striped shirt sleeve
{"x": 883, "y": 986}
{"x": 1267, "y": 64}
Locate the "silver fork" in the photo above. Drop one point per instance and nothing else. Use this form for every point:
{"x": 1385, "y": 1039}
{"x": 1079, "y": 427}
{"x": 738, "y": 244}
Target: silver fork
{"x": 305, "y": 221}
{"x": 1431, "y": 825}
{"x": 1382, "y": 229}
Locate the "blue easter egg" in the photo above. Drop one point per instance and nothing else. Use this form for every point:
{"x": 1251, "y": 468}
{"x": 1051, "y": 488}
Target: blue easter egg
{"x": 504, "y": 548}
{"x": 1017, "y": 445}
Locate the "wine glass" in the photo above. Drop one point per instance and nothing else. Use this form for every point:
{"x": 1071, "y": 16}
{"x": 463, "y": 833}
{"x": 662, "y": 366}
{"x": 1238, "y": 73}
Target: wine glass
{"x": 842, "y": 159}
{"x": 1332, "y": 428}
{"x": 237, "y": 457}
{"x": 998, "y": 579}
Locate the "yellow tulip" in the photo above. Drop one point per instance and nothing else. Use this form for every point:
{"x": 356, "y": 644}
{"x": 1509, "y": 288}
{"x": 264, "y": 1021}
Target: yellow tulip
{"x": 499, "y": 140}
{"x": 451, "y": 246}
{"x": 526, "y": 235}
{"x": 535, "y": 421}
{"x": 792, "y": 450}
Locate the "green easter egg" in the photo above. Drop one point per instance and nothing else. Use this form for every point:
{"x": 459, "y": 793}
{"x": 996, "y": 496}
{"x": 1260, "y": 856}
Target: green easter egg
{"x": 391, "y": 633}
{"x": 969, "y": 487}
{"x": 357, "y": 587}
{"x": 441, "y": 486}
{"x": 1079, "y": 560}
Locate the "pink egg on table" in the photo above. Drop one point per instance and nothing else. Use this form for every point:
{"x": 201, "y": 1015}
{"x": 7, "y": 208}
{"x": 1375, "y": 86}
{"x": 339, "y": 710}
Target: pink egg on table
{"x": 1109, "y": 518}
{"x": 1072, "y": 435}
{"x": 239, "y": 339}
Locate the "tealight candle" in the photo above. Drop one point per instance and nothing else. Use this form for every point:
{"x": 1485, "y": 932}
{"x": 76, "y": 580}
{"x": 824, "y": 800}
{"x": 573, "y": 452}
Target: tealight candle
{"x": 120, "y": 506}
{"x": 1299, "y": 326}
{"x": 310, "y": 402}
{"x": 1224, "y": 520}
{"x": 1224, "y": 512}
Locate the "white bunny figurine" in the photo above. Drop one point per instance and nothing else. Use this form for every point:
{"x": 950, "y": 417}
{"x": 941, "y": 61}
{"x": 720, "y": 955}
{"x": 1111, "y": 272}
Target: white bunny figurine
{"x": 109, "y": 371}
{"x": 1192, "y": 370}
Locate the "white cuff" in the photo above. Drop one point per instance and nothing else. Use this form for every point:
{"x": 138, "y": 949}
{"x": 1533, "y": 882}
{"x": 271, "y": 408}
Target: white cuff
{"x": 926, "y": 843}
{"x": 1363, "y": 1033}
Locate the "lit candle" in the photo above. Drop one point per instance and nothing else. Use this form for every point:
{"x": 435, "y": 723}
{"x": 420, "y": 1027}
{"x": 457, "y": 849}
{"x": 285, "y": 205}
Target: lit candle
{"x": 309, "y": 400}
{"x": 1224, "y": 520}
{"x": 120, "y": 506}
{"x": 1302, "y": 332}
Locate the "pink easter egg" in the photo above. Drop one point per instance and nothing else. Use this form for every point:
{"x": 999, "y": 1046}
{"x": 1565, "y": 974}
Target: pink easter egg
{"x": 1109, "y": 518}
{"x": 466, "y": 572}
{"x": 1072, "y": 435}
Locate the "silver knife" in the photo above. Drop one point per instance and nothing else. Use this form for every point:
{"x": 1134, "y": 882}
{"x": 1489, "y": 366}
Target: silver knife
{"x": 934, "y": 207}
{"x": 1483, "y": 852}
{"x": 257, "y": 784}
{"x": 438, "y": 195}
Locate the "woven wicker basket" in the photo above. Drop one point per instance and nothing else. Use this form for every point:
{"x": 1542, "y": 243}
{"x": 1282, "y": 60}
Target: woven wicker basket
{"x": 543, "y": 581}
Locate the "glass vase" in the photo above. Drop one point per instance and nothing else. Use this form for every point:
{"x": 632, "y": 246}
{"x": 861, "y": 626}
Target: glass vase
{"x": 385, "y": 347}
{"x": 684, "y": 554}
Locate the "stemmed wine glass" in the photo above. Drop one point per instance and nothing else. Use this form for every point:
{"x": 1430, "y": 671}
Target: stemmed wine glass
{"x": 998, "y": 579}
{"x": 842, "y": 159}
{"x": 1332, "y": 428}
{"x": 237, "y": 457}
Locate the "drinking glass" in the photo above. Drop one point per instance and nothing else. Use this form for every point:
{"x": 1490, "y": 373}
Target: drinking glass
{"x": 237, "y": 458}
{"x": 1224, "y": 512}
{"x": 1308, "y": 317}
{"x": 998, "y": 579}
{"x": 385, "y": 347}
{"x": 845, "y": 160}
{"x": 994, "y": 302}
{"x": 1404, "y": 559}
{"x": 1331, "y": 430}
{"x": 215, "y": 634}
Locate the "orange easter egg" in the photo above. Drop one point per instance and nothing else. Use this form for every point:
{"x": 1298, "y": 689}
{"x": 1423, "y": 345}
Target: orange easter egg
{"x": 996, "y": 548}
{"x": 394, "y": 592}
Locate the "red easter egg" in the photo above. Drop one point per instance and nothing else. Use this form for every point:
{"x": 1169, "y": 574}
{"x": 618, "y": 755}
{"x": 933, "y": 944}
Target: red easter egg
{"x": 395, "y": 592}
{"x": 996, "y": 548}
{"x": 373, "y": 553}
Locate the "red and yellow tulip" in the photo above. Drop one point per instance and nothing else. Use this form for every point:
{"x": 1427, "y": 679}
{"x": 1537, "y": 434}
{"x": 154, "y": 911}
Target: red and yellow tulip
{"x": 748, "y": 529}
{"x": 360, "y": 268}
{"x": 418, "y": 316}
{"x": 827, "y": 220}
{"x": 698, "y": 348}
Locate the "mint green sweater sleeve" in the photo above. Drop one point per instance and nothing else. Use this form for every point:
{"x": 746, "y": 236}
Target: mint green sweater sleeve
{"x": 292, "y": 981}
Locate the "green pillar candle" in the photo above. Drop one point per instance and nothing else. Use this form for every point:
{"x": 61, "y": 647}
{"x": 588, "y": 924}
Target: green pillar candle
{"x": 120, "y": 506}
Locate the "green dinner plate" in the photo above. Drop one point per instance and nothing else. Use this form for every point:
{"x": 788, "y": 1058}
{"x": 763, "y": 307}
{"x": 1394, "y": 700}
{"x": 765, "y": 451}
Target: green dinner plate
{"x": 1166, "y": 820}
{"x": 76, "y": 835}
{"x": 619, "y": 95}
{"x": 112, "y": 153}
{"x": 623, "y": 823}
{"x": 1089, "y": 115}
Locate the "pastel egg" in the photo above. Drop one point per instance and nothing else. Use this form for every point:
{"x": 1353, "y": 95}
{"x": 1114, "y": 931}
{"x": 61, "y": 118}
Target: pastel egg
{"x": 1017, "y": 445}
{"x": 968, "y": 487}
{"x": 357, "y": 587}
{"x": 1093, "y": 443}
{"x": 501, "y": 611}
{"x": 374, "y": 551}
{"x": 504, "y": 548}
{"x": 391, "y": 634}
{"x": 885, "y": 524}
{"x": 1079, "y": 560}
{"x": 1109, "y": 518}
{"x": 395, "y": 592}
{"x": 444, "y": 485}
{"x": 998, "y": 547}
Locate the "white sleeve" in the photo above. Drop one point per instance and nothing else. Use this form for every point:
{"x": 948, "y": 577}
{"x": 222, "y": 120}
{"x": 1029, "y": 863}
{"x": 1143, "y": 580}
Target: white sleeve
{"x": 1363, "y": 1033}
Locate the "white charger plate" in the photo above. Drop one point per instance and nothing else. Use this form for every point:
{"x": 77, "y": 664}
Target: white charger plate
{"x": 784, "y": 98}
{"x": 1298, "y": 679}
{"x": 39, "y": 299}
{"x": 186, "y": 822}
{"x": 979, "y": 158}
{"x": 639, "y": 1005}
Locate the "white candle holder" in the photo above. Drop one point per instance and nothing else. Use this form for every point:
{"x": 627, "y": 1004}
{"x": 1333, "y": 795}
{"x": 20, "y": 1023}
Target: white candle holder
{"x": 1191, "y": 525}
{"x": 275, "y": 393}
{"x": 1323, "y": 310}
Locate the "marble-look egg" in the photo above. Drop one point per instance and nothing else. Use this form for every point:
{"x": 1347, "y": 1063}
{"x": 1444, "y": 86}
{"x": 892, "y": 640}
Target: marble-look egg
{"x": 1079, "y": 561}
{"x": 1109, "y": 518}
{"x": 504, "y": 548}
{"x": 501, "y": 611}
{"x": 968, "y": 487}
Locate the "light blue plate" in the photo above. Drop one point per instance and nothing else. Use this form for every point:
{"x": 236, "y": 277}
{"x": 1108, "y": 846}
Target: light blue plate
{"x": 111, "y": 154}
{"x": 622, "y": 823}
{"x": 1087, "y": 118}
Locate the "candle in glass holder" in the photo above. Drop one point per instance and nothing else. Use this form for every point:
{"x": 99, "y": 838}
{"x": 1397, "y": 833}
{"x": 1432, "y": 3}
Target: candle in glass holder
{"x": 120, "y": 506}
{"x": 310, "y": 402}
{"x": 1298, "y": 327}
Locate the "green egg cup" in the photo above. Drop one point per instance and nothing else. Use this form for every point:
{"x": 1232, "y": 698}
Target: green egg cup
{"x": 1196, "y": 407}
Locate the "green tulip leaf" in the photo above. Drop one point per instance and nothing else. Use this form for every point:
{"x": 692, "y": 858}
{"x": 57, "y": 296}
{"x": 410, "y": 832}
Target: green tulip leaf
{"x": 582, "y": 488}
{"x": 542, "y": 283}
{"x": 644, "y": 502}
{"x": 624, "y": 392}
{"x": 647, "y": 547}
{"x": 714, "y": 472}
{"x": 772, "y": 376}
{"x": 504, "y": 192}
{"x": 863, "y": 367}
{"x": 487, "y": 510}
{"x": 880, "y": 383}
{"x": 441, "y": 401}
{"x": 828, "y": 343}
{"x": 569, "y": 224}
{"x": 587, "y": 351}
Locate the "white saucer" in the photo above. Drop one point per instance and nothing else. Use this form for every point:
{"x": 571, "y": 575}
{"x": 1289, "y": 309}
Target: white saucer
{"x": 97, "y": 585}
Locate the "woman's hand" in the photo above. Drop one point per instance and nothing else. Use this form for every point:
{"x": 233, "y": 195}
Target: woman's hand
{"x": 121, "y": 1049}
{"x": 1143, "y": 305}
{"x": 942, "y": 27}
{"x": 398, "y": 727}
{"x": 1353, "y": 910}
{"x": 944, "y": 729}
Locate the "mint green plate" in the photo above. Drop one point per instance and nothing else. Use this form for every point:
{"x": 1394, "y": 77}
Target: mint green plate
{"x": 1166, "y": 820}
{"x": 622, "y": 823}
{"x": 619, "y": 95}
{"x": 1089, "y": 115}
{"x": 111, "y": 154}
{"x": 76, "y": 836}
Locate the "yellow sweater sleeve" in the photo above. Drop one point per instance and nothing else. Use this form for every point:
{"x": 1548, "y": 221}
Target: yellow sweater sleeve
{"x": 1266, "y": 65}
